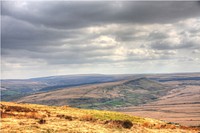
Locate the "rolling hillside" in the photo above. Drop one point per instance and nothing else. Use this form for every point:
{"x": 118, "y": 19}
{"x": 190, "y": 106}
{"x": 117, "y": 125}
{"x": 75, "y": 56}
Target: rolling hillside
{"x": 12, "y": 89}
{"x": 102, "y": 96}
{"x": 25, "y": 118}
{"x": 180, "y": 105}
{"x": 169, "y": 97}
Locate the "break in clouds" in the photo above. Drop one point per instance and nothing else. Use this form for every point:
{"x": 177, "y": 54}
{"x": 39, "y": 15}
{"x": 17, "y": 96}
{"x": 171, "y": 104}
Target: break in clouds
{"x": 53, "y": 38}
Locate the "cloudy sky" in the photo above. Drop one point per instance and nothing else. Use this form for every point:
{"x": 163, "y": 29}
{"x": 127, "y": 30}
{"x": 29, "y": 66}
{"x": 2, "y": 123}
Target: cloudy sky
{"x": 58, "y": 38}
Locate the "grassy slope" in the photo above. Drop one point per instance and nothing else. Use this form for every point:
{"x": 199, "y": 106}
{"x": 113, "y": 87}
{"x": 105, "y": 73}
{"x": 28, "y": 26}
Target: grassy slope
{"x": 40, "y": 118}
{"x": 181, "y": 105}
{"x": 102, "y": 96}
{"x": 15, "y": 88}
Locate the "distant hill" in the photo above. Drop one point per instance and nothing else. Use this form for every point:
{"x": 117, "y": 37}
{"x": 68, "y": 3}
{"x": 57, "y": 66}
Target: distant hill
{"x": 102, "y": 96}
{"x": 170, "y": 97}
{"x": 15, "y": 88}
{"x": 25, "y": 118}
{"x": 12, "y": 89}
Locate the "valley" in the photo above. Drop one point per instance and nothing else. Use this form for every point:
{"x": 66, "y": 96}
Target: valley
{"x": 106, "y": 96}
{"x": 12, "y": 89}
{"x": 180, "y": 105}
{"x": 168, "y": 97}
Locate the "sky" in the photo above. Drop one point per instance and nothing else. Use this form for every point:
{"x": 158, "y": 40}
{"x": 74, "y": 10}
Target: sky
{"x": 44, "y": 38}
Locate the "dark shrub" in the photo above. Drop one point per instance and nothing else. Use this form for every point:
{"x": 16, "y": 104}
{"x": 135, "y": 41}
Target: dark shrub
{"x": 127, "y": 124}
{"x": 42, "y": 121}
{"x": 119, "y": 123}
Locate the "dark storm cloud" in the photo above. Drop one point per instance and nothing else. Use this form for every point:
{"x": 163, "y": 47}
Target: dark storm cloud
{"x": 32, "y": 24}
{"x": 17, "y": 34}
{"x": 60, "y": 33}
{"x": 68, "y": 15}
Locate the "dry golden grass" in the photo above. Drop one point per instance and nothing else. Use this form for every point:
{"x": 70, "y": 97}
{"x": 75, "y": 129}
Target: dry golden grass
{"x": 25, "y": 118}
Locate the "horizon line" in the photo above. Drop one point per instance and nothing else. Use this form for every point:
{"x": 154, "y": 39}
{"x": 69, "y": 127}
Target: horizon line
{"x": 84, "y": 74}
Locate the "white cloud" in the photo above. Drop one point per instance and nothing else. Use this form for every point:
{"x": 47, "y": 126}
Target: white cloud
{"x": 97, "y": 39}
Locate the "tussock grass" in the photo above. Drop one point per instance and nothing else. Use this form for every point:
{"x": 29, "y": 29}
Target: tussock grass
{"x": 51, "y": 119}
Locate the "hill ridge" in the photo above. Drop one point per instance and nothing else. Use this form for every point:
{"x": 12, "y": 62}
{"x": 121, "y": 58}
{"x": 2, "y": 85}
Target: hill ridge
{"x": 102, "y": 96}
